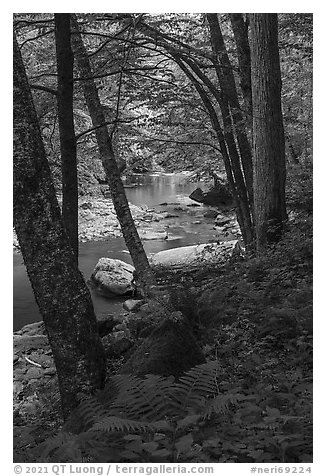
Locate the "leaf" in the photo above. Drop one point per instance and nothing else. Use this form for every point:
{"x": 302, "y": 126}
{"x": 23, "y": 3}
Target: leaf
{"x": 112, "y": 423}
{"x": 184, "y": 443}
{"x": 135, "y": 445}
{"x": 273, "y": 412}
{"x": 187, "y": 421}
{"x": 132, "y": 437}
{"x": 162, "y": 425}
{"x": 129, "y": 455}
{"x": 161, "y": 453}
{"x": 150, "y": 447}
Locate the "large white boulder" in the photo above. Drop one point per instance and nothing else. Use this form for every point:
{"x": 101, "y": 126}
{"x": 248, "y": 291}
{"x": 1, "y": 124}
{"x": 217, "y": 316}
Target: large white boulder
{"x": 210, "y": 253}
{"x": 112, "y": 277}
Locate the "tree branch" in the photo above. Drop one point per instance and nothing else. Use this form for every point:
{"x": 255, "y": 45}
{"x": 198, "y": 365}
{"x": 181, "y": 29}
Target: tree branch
{"x": 44, "y": 88}
{"x": 92, "y": 129}
{"x": 35, "y": 38}
{"x": 124, "y": 70}
{"x": 184, "y": 142}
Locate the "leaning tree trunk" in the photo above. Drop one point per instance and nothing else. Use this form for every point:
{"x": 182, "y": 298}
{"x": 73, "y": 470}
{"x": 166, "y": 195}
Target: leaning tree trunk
{"x": 240, "y": 32}
{"x": 268, "y": 132}
{"x": 60, "y": 291}
{"x": 229, "y": 96}
{"x": 104, "y": 142}
{"x": 65, "y": 65}
{"x": 230, "y": 153}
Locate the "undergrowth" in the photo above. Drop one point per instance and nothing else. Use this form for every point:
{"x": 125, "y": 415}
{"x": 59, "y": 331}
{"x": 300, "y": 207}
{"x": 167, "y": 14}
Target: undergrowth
{"x": 252, "y": 400}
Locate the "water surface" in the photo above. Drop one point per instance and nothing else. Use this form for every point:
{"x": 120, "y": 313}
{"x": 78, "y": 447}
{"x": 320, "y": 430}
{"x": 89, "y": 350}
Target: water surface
{"x": 187, "y": 227}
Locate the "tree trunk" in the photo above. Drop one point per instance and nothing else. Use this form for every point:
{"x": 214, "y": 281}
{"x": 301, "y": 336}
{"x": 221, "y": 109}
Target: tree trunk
{"x": 119, "y": 198}
{"x": 65, "y": 63}
{"x": 240, "y": 32}
{"x": 229, "y": 93}
{"x": 268, "y": 132}
{"x": 60, "y": 291}
{"x": 230, "y": 158}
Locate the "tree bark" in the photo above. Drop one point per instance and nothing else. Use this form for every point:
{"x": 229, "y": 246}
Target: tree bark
{"x": 59, "y": 288}
{"x": 268, "y": 131}
{"x": 109, "y": 162}
{"x": 240, "y": 32}
{"x": 65, "y": 64}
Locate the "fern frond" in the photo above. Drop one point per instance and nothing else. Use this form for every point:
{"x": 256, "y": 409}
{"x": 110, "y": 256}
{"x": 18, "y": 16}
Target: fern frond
{"x": 196, "y": 385}
{"x": 156, "y": 397}
{"x": 64, "y": 445}
{"x": 90, "y": 410}
{"x": 220, "y": 403}
{"x": 113, "y": 423}
{"x": 146, "y": 399}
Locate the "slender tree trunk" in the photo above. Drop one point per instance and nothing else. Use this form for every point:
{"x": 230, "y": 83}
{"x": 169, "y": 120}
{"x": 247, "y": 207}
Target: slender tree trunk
{"x": 268, "y": 132}
{"x": 119, "y": 198}
{"x": 65, "y": 64}
{"x": 237, "y": 185}
{"x": 293, "y": 154}
{"x": 240, "y": 32}
{"x": 225, "y": 75}
{"x": 60, "y": 291}
{"x": 240, "y": 184}
{"x": 230, "y": 158}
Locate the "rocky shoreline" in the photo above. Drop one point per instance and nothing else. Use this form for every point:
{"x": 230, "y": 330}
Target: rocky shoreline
{"x": 35, "y": 390}
{"x": 98, "y": 220}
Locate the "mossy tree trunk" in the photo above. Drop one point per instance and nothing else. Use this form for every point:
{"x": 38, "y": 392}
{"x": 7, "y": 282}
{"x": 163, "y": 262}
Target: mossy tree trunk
{"x": 120, "y": 202}
{"x": 65, "y": 65}
{"x": 59, "y": 288}
{"x": 268, "y": 131}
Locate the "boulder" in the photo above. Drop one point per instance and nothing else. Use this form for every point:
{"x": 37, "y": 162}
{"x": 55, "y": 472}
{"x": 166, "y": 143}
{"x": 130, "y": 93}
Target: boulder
{"x": 211, "y": 214}
{"x": 112, "y": 277}
{"x": 197, "y": 195}
{"x": 25, "y": 343}
{"x": 116, "y": 344}
{"x": 215, "y": 196}
{"x": 153, "y": 235}
{"x": 36, "y": 328}
{"x": 196, "y": 255}
{"x": 105, "y": 324}
{"x": 132, "y": 305}
{"x": 221, "y": 220}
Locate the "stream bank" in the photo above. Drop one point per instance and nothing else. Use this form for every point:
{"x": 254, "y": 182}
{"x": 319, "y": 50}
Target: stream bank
{"x": 160, "y": 205}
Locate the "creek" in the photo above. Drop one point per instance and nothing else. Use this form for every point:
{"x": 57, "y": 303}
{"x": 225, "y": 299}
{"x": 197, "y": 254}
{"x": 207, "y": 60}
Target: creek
{"x": 163, "y": 192}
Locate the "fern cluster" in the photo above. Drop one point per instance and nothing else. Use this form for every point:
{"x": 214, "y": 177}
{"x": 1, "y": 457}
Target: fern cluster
{"x": 149, "y": 419}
